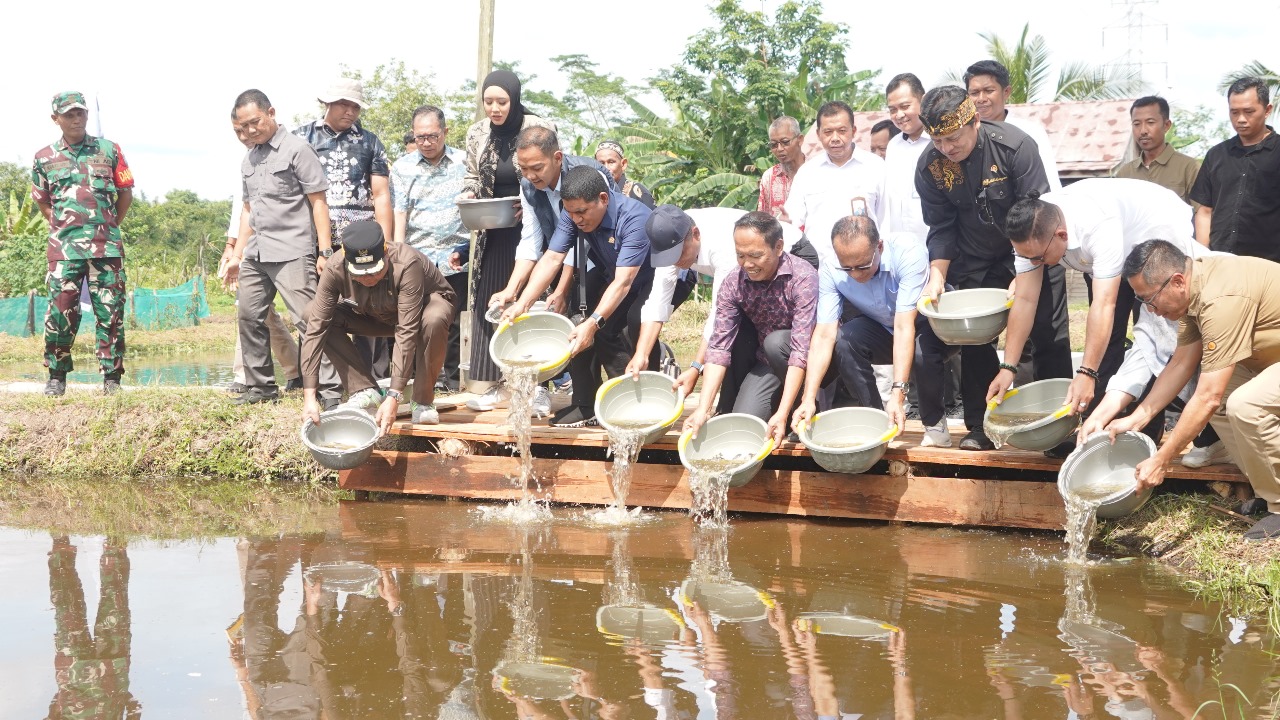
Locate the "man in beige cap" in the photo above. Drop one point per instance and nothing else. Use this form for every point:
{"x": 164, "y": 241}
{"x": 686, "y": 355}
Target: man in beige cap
{"x": 356, "y": 164}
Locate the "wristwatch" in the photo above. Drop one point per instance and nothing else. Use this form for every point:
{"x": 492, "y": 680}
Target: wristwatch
{"x": 399, "y": 396}
{"x": 398, "y": 610}
{"x": 598, "y": 318}
{"x": 696, "y": 366}
{"x": 905, "y": 387}
{"x": 327, "y": 252}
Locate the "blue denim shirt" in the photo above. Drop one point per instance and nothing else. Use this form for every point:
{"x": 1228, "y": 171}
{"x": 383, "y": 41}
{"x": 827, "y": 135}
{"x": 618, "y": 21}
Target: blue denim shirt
{"x": 427, "y": 194}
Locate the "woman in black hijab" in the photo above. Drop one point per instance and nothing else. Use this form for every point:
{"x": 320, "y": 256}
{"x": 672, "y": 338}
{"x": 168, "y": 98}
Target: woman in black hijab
{"x": 492, "y": 173}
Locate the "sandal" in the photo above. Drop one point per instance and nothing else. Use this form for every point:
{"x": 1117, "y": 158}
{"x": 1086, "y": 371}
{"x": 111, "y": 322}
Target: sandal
{"x": 1265, "y": 529}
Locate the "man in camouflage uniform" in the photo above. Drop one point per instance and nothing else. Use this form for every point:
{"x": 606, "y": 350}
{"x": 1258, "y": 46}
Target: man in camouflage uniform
{"x": 83, "y": 186}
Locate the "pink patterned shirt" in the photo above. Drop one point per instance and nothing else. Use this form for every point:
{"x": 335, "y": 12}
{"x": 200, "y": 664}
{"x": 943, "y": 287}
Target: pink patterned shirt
{"x": 774, "y": 188}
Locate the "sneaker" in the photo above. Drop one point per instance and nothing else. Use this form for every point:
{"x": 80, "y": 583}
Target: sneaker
{"x": 1199, "y": 457}
{"x": 255, "y": 395}
{"x": 236, "y": 388}
{"x": 56, "y": 387}
{"x": 369, "y": 398}
{"x": 937, "y": 436}
{"x": 110, "y": 385}
{"x": 425, "y": 415}
{"x": 574, "y": 417}
{"x": 497, "y": 398}
{"x": 293, "y": 385}
{"x": 541, "y": 402}
{"x": 977, "y": 440}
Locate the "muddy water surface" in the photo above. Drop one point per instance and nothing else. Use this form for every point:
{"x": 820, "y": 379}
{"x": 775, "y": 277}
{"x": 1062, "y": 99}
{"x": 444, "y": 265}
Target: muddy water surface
{"x": 428, "y": 612}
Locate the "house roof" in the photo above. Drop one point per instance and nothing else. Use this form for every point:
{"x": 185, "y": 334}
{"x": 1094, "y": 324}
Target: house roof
{"x": 1089, "y": 138}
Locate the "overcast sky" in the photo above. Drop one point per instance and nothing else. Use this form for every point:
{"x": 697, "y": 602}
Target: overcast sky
{"x": 165, "y": 73}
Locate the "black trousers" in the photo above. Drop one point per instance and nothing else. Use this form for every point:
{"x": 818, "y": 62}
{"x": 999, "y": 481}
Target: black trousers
{"x": 453, "y": 356}
{"x": 864, "y": 342}
{"x": 1050, "y": 335}
{"x": 614, "y": 343}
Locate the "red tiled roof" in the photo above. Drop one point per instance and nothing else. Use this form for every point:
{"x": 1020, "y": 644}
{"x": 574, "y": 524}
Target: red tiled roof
{"x": 1089, "y": 138}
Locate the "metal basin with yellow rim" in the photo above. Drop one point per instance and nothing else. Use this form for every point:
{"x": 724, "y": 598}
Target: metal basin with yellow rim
{"x": 1035, "y": 414}
{"x": 730, "y": 601}
{"x": 848, "y": 440}
{"x": 968, "y": 317}
{"x": 647, "y": 404}
{"x": 538, "y": 339}
{"x": 735, "y": 435}
{"x": 545, "y": 679}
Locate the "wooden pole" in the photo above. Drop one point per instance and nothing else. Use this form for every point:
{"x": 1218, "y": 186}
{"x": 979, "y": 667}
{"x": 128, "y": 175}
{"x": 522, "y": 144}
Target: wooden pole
{"x": 484, "y": 54}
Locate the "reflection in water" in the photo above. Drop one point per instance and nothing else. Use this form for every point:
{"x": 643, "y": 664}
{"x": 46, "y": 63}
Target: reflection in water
{"x": 92, "y": 669}
{"x": 211, "y": 368}
{"x": 775, "y": 618}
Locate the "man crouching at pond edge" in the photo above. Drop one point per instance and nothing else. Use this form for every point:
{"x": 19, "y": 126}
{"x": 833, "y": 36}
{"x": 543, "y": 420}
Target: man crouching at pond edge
{"x": 376, "y": 289}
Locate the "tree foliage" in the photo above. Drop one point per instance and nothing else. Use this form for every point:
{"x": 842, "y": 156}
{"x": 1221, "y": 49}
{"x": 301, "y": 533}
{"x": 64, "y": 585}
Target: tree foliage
{"x": 1029, "y": 65}
{"x": 393, "y": 91}
{"x": 1253, "y": 69}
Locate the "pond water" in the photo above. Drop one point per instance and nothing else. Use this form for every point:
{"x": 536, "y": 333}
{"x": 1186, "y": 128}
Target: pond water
{"x": 211, "y": 368}
{"x": 418, "y": 609}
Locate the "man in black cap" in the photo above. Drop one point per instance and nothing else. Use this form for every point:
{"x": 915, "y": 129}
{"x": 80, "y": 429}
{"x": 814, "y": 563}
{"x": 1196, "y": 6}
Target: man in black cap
{"x": 376, "y": 289}
{"x": 967, "y": 182}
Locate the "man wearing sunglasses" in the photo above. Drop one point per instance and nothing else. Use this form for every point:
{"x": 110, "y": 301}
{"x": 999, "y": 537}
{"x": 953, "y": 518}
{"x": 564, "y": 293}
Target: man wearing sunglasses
{"x": 883, "y": 279}
{"x": 1229, "y": 313}
{"x": 1090, "y": 226}
{"x": 968, "y": 181}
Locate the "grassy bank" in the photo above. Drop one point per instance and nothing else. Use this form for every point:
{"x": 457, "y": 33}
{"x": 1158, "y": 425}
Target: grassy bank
{"x": 1193, "y": 534}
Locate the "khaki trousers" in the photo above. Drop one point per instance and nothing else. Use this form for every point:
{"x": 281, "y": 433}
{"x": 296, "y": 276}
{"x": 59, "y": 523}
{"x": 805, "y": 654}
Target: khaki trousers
{"x": 284, "y": 348}
{"x": 1249, "y": 424}
{"x": 433, "y": 342}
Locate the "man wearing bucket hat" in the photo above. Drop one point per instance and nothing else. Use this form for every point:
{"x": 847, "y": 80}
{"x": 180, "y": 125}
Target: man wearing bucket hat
{"x": 1229, "y": 313}
{"x": 1090, "y": 226}
{"x": 968, "y": 181}
{"x": 356, "y": 164}
{"x": 379, "y": 289}
{"x": 83, "y": 187}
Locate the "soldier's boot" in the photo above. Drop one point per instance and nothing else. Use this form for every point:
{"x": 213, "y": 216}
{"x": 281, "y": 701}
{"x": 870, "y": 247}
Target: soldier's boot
{"x": 111, "y": 383}
{"x": 57, "y": 385}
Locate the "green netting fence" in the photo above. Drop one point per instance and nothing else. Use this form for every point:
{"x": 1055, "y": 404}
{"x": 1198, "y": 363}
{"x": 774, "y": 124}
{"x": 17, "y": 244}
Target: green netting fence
{"x": 145, "y": 309}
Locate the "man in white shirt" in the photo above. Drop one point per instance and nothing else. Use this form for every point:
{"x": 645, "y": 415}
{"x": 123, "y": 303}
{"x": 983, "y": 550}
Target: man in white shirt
{"x": 827, "y": 186}
{"x": 988, "y": 84}
{"x": 902, "y": 201}
{"x": 883, "y": 278}
{"x": 1090, "y": 226}
{"x": 702, "y": 240}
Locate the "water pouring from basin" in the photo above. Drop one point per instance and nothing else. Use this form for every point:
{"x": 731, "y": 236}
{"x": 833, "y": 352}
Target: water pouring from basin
{"x": 634, "y": 411}
{"x": 728, "y": 452}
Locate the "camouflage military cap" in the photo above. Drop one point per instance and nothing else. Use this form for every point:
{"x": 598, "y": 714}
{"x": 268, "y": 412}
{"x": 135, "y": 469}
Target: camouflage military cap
{"x": 69, "y": 100}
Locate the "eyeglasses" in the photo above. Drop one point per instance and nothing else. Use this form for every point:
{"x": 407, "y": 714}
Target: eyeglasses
{"x": 785, "y": 142}
{"x": 863, "y": 268}
{"x": 1151, "y": 301}
{"x": 1037, "y": 259}
{"x": 428, "y": 138}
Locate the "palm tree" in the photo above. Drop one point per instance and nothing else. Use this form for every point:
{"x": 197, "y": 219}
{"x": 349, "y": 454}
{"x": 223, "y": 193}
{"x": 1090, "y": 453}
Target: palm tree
{"x": 1029, "y": 71}
{"x": 1253, "y": 69}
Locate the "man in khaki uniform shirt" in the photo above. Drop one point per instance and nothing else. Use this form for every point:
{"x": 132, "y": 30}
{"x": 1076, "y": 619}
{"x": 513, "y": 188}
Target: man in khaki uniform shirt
{"x": 1158, "y": 162}
{"x": 1229, "y": 308}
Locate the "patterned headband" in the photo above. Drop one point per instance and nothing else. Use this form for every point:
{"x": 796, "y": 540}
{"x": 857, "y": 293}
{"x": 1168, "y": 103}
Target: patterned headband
{"x": 613, "y": 145}
{"x": 954, "y": 120}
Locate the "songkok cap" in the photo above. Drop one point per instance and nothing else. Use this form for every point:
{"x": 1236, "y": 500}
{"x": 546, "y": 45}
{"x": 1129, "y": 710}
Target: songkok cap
{"x": 667, "y": 228}
{"x": 364, "y": 247}
{"x": 69, "y": 100}
{"x": 345, "y": 89}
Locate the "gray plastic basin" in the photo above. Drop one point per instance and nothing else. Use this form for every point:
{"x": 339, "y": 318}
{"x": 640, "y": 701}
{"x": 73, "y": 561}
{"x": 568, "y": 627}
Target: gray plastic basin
{"x": 968, "y": 317}
{"x": 345, "y": 576}
{"x": 489, "y": 214}
{"x": 352, "y": 429}
{"x": 1040, "y": 397}
{"x": 1099, "y": 463}
{"x": 542, "y": 336}
{"x": 732, "y": 435}
{"x": 854, "y": 626}
{"x": 730, "y": 601}
{"x": 649, "y": 400}
{"x": 646, "y": 623}
{"x": 538, "y": 680}
{"x": 867, "y": 428}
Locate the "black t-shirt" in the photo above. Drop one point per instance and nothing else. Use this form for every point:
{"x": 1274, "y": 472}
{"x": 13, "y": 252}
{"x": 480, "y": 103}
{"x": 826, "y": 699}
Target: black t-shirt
{"x": 1242, "y": 185}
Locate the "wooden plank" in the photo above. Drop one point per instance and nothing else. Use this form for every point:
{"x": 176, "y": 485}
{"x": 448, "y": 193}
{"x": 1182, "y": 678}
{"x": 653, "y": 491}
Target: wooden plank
{"x": 948, "y": 501}
{"x": 490, "y": 427}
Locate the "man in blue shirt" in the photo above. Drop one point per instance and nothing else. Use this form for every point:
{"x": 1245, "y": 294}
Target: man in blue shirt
{"x": 883, "y": 280}
{"x": 607, "y": 228}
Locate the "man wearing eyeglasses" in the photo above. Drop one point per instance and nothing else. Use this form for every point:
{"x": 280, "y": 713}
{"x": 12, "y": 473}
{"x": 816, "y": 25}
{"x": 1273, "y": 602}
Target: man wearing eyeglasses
{"x": 968, "y": 181}
{"x": 1090, "y": 226}
{"x": 882, "y": 277}
{"x": 425, "y": 185}
{"x": 785, "y": 141}
{"x": 1229, "y": 313}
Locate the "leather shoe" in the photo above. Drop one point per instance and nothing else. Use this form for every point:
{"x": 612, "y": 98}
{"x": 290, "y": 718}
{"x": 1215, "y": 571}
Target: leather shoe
{"x": 255, "y": 395}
